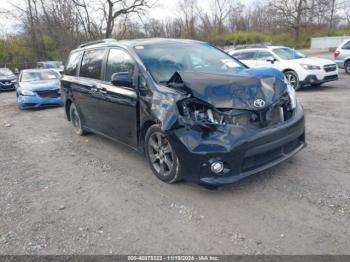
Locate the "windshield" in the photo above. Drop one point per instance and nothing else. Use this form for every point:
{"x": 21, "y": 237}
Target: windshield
{"x": 50, "y": 65}
{"x": 5, "y": 72}
{"x": 38, "y": 76}
{"x": 288, "y": 53}
{"x": 163, "y": 60}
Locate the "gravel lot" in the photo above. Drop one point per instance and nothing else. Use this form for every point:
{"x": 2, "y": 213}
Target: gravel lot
{"x": 64, "y": 194}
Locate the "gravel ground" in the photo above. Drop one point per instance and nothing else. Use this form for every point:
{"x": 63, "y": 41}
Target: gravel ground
{"x": 64, "y": 194}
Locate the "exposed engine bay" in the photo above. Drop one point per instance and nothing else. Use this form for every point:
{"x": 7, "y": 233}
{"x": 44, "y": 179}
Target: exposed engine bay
{"x": 197, "y": 111}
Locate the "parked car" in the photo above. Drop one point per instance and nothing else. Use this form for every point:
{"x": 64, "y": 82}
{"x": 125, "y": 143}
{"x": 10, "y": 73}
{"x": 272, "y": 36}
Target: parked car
{"x": 56, "y": 65}
{"x": 197, "y": 113}
{"x": 7, "y": 79}
{"x": 38, "y": 88}
{"x": 299, "y": 70}
{"x": 342, "y": 56}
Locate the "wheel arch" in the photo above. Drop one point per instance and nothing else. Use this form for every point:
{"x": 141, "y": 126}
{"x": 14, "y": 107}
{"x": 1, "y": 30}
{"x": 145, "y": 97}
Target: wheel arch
{"x": 68, "y": 103}
{"x": 143, "y": 130}
{"x": 288, "y": 69}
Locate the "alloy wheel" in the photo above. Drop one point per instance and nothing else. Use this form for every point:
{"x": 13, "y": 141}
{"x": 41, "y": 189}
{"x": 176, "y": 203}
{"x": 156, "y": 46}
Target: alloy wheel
{"x": 161, "y": 154}
{"x": 347, "y": 67}
{"x": 292, "y": 80}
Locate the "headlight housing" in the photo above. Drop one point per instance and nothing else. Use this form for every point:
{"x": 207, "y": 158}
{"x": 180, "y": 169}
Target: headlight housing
{"x": 292, "y": 95}
{"x": 27, "y": 93}
{"x": 310, "y": 67}
{"x": 198, "y": 111}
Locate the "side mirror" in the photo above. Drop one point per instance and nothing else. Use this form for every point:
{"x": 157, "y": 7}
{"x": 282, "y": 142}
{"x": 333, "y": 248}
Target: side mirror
{"x": 122, "y": 79}
{"x": 271, "y": 59}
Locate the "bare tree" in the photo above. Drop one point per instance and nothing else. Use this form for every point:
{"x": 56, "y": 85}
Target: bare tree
{"x": 221, "y": 10}
{"x": 113, "y": 9}
{"x": 290, "y": 13}
{"x": 188, "y": 10}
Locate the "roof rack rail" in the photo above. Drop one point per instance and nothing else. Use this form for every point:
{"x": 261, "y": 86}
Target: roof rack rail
{"x": 107, "y": 40}
{"x": 258, "y": 45}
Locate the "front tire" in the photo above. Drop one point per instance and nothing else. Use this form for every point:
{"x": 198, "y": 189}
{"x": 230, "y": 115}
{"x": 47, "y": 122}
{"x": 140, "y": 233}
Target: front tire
{"x": 293, "y": 79}
{"x": 161, "y": 156}
{"x": 76, "y": 120}
{"x": 347, "y": 67}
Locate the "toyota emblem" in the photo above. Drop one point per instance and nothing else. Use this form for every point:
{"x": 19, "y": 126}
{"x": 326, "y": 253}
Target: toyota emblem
{"x": 259, "y": 103}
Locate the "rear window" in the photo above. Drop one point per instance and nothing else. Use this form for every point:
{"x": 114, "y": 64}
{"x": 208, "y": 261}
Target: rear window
{"x": 91, "y": 64}
{"x": 72, "y": 64}
{"x": 346, "y": 46}
{"x": 249, "y": 55}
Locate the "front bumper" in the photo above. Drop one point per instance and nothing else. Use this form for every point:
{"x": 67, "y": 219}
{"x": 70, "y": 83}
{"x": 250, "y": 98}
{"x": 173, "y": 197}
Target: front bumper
{"x": 313, "y": 80}
{"x": 7, "y": 86}
{"x": 36, "y": 101}
{"x": 243, "y": 151}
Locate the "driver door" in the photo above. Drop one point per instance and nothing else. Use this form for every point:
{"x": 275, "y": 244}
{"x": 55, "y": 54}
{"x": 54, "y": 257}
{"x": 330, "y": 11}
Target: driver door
{"x": 119, "y": 107}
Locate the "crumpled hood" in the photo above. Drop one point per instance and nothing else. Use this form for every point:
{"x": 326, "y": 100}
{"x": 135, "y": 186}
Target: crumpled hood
{"x": 238, "y": 91}
{"x": 41, "y": 85}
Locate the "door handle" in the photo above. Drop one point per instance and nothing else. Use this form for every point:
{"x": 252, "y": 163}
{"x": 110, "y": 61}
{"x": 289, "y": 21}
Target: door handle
{"x": 93, "y": 90}
{"x": 103, "y": 90}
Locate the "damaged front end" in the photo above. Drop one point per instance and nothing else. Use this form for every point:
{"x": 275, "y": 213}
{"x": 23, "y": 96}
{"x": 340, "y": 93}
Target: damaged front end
{"x": 216, "y": 103}
{"x": 247, "y": 123}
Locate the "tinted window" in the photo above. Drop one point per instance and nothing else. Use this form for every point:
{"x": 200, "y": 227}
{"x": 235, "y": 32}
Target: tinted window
{"x": 245, "y": 55}
{"x": 91, "y": 65}
{"x": 72, "y": 64}
{"x": 264, "y": 55}
{"x": 346, "y": 46}
{"x": 118, "y": 62}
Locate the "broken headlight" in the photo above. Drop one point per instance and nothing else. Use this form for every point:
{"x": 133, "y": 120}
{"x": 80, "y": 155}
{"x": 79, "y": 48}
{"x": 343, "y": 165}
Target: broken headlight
{"x": 201, "y": 112}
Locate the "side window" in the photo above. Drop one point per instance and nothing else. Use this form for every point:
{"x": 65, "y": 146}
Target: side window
{"x": 346, "y": 46}
{"x": 264, "y": 55}
{"x": 91, "y": 65}
{"x": 118, "y": 62}
{"x": 72, "y": 64}
{"x": 248, "y": 55}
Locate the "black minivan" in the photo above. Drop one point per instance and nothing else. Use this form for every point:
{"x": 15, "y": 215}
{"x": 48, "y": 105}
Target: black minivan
{"x": 197, "y": 113}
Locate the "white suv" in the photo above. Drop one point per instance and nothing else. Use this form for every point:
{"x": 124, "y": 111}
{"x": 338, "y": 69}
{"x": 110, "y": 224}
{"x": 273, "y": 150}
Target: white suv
{"x": 299, "y": 70}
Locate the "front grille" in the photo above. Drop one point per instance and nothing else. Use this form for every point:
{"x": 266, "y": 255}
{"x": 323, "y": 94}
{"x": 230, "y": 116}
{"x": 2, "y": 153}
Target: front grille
{"x": 49, "y": 93}
{"x": 6, "y": 83}
{"x": 258, "y": 160}
{"x": 275, "y": 114}
{"x": 330, "y": 68}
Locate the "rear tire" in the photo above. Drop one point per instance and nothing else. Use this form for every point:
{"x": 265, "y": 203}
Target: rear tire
{"x": 76, "y": 120}
{"x": 293, "y": 79}
{"x": 347, "y": 67}
{"x": 161, "y": 156}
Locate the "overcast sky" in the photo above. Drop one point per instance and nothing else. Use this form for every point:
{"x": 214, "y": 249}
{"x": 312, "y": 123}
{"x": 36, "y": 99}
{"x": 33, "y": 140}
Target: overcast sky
{"x": 164, "y": 9}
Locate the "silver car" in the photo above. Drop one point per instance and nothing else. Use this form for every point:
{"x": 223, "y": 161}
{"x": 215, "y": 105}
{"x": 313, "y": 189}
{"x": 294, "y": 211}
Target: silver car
{"x": 342, "y": 56}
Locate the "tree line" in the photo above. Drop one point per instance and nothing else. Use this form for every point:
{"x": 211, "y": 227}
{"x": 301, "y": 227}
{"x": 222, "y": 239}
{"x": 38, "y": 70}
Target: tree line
{"x": 49, "y": 29}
